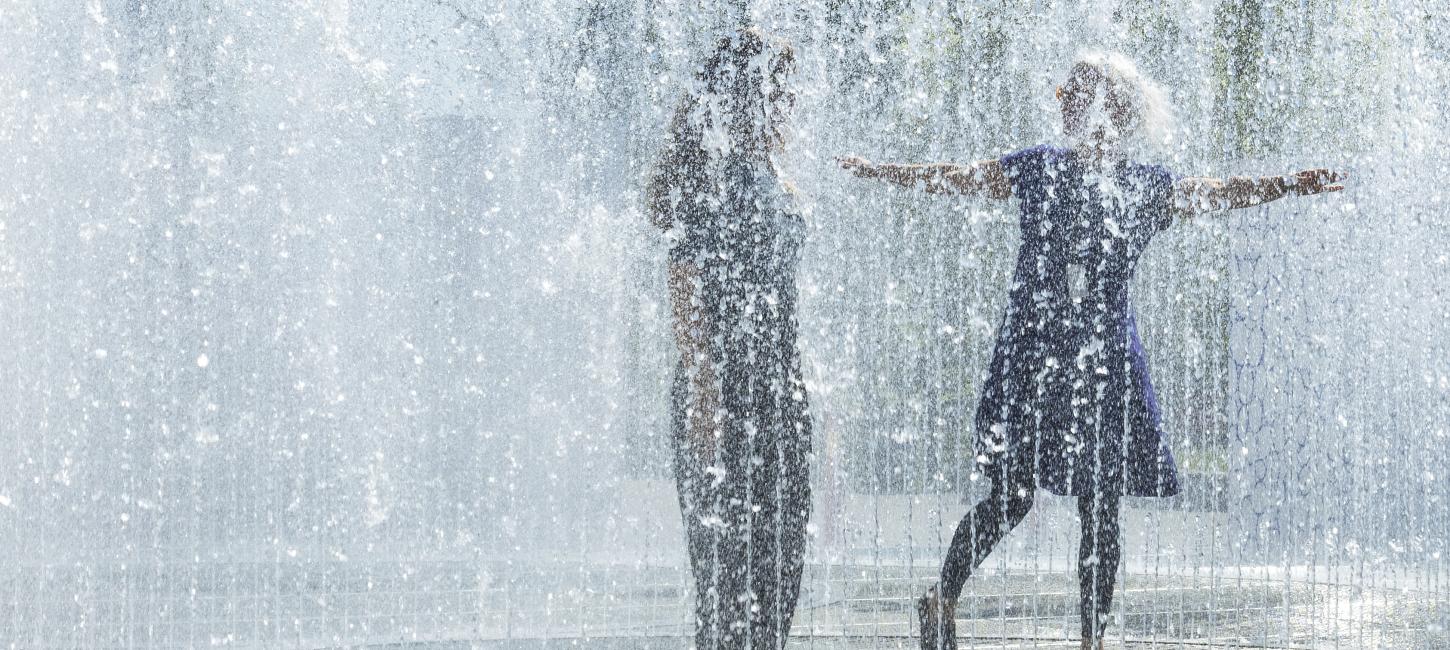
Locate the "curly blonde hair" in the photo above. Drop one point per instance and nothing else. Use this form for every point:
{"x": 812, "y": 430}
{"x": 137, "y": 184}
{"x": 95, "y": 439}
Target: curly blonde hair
{"x": 1140, "y": 110}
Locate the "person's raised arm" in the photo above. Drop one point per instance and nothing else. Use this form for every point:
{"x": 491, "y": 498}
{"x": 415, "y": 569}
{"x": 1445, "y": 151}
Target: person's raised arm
{"x": 1198, "y": 195}
{"x": 984, "y": 178}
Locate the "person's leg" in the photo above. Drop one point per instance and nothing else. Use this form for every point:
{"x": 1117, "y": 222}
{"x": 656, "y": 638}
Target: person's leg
{"x": 984, "y": 525}
{"x": 732, "y": 583}
{"x": 792, "y": 566}
{"x": 695, "y": 502}
{"x": 719, "y": 527}
{"x": 1013, "y": 484}
{"x": 694, "y": 402}
{"x": 779, "y": 539}
{"x": 1098, "y": 557}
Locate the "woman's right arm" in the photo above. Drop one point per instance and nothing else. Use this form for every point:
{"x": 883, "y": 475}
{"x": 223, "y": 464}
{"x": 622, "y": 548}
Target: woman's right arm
{"x": 983, "y": 178}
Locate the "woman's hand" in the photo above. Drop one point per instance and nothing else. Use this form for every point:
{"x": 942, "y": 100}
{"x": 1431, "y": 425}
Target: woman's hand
{"x": 1317, "y": 181}
{"x": 857, "y": 165}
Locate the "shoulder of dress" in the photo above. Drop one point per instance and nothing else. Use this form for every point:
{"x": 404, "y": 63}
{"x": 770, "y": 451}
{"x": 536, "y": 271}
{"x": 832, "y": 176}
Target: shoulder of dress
{"x": 1036, "y": 150}
{"x": 1152, "y": 173}
{"x": 1031, "y": 159}
{"x": 1151, "y": 169}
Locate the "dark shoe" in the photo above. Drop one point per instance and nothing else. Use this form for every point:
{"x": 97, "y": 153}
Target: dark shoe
{"x": 938, "y": 621}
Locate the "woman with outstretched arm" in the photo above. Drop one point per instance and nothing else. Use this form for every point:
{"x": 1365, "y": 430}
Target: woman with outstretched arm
{"x": 1068, "y": 404}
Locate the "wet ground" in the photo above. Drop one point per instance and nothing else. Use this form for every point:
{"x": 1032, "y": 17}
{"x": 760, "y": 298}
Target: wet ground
{"x": 1040, "y": 611}
{"x": 1181, "y": 587}
{"x": 445, "y": 605}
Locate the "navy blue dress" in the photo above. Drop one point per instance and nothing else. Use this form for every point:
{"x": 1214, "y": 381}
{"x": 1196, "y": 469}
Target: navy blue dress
{"x": 1068, "y": 390}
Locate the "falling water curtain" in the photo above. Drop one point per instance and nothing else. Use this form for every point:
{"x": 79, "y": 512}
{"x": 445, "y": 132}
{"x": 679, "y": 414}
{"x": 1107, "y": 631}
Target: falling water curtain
{"x": 340, "y": 323}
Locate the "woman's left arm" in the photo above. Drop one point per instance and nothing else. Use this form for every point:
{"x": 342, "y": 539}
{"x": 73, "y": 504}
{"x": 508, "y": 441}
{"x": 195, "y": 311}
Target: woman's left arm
{"x": 983, "y": 178}
{"x": 1197, "y": 195}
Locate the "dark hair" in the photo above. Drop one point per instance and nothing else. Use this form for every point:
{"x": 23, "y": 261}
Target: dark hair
{"x": 736, "y": 86}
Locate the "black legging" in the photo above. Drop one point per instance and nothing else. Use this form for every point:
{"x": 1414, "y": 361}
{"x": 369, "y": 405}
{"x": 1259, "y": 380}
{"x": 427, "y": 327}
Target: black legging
{"x": 1098, "y": 554}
